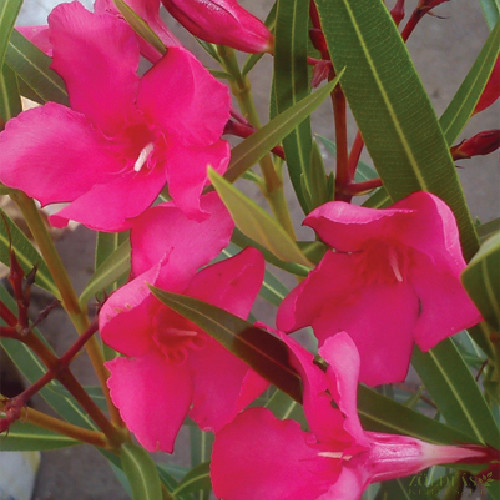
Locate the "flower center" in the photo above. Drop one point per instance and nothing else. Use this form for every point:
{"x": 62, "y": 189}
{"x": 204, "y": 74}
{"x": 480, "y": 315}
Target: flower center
{"x": 143, "y": 156}
{"x": 175, "y": 336}
{"x": 382, "y": 263}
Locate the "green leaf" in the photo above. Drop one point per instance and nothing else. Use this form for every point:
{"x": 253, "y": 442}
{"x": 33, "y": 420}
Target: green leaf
{"x": 254, "y": 147}
{"x": 455, "y": 392}
{"x": 27, "y": 437}
{"x": 379, "y": 413}
{"x": 26, "y": 254}
{"x": 264, "y": 352}
{"x": 140, "y": 26}
{"x": 481, "y": 278}
{"x": 116, "y": 265}
{"x": 243, "y": 241}
{"x": 464, "y": 101}
{"x": 141, "y": 472}
{"x": 488, "y": 229}
{"x": 10, "y": 100}
{"x": 391, "y": 107}
{"x": 283, "y": 406}
{"x": 195, "y": 480}
{"x": 9, "y": 9}
{"x": 33, "y": 66}
{"x": 268, "y": 356}
{"x": 491, "y": 9}
{"x": 254, "y": 222}
{"x": 253, "y": 59}
{"x": 291, "y": 78}
{"x": 407, "y": 488}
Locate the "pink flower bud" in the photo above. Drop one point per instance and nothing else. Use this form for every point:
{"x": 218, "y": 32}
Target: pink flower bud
{"x": 483, "y": 143}
{"x": 223, "y": 22}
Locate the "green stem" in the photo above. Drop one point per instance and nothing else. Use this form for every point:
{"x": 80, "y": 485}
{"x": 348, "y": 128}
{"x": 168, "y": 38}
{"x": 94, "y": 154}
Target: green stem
{"x": 68, "y": 296}
{"x": 241, "y": 89}
{"x": 65, "y": 428}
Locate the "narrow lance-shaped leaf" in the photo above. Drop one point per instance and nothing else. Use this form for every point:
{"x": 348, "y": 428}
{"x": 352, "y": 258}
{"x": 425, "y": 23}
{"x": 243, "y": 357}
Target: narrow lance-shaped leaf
{"x": 255, "y": 222}
{"x": 9, "y": 9}
{"x": 26, "y": 254}
{"x": 111, "y": 269}
{"x": 141, "y": 472}
{"x": 491, "y": 9}
{"x": 291, "y": 81}
{"x": 243, "y": 241}
{"x": 253, "y": 59}
{"x": 10, "y": 100}
{"x": 481, "y": 278}
{"x": 464, "y": 101}
{"x": 197, "y": 479}
{"x": 263, "y": 352}
{"x": 27, "y": 437}
{"x": 391, "y": 107}
{"x": 33, "y": 66}
{"x": 455, "y": 392}
{"x": 268, "y": 356}
{"x": 254, "y": 147}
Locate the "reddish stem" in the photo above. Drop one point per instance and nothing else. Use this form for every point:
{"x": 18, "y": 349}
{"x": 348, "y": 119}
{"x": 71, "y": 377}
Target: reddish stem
{"x": 415, "y": 17}
{"x": 59, "y": 368}
{"x": 355, "y": 154}
{"x": 355, "y": 188}
{"x": 342, "y": 179}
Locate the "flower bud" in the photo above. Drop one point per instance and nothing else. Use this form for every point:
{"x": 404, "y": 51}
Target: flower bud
{"x": 223, "y": 22}
{"x": 483, "y": 143}
{"x": 491, "y": 91}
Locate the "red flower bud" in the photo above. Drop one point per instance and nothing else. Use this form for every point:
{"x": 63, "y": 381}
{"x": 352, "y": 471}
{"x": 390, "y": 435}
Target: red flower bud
{"x": 223, "y": 22}
{"x": 483, "y": 143}
{"x": 492, "y": 90}
{"x": 398, "y": 12}
{"x": 322, "y": 70}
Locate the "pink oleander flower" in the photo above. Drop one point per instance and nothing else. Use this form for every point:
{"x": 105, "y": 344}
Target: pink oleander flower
{"x": 223, "y": 22}
{"x": 259, "y": 456}
{"x": 171, "y": 367}
{"x": 124, "y": 136}
{"x": 149, "y": 11}
{"x": 393, "y": 279}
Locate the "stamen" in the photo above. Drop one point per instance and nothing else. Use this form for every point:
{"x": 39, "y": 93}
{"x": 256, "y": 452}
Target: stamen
{"x": 393, "y": 261}
{"x": 331, "y": 454}
{"x": 177, "y": 332}
{"x": 143, "y": 156}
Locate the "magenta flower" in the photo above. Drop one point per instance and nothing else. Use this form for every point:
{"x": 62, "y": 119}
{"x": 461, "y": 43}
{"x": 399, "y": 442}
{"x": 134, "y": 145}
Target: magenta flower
{"x": 171, "y": 367}
{"x": 393, "y": 279}
{"x": 124, "y": 136}
{"x": 260, "y": 456}
{"x": 223, "y": 22}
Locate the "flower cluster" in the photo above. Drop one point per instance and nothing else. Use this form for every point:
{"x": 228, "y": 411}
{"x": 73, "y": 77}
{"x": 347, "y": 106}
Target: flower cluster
{"x": 390, "y": 278}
